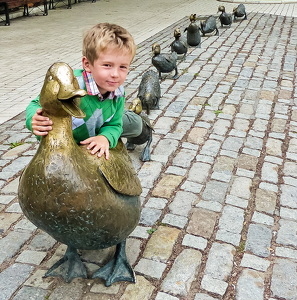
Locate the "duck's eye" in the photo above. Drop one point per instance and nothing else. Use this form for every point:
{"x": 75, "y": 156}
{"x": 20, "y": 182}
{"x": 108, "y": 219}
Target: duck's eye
{"x": 50, "y": 78}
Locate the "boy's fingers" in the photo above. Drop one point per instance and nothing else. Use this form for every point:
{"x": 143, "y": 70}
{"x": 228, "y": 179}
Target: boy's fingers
{"x": 107, "y": 154}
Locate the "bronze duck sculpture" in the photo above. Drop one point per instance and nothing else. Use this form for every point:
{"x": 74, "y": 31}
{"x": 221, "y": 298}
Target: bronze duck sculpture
{"x": 149, "y": 91}
{"x": 225, "y": 18}
{"x": 209, "y": 25}
{"x": 179, "y": 45}
{"x": 79, "y": 199}
{"x": 164, "y": 63}
{"x": 193, "y": 32}
{"x": 239, "y": 12}
{"x": 146, "y": 134}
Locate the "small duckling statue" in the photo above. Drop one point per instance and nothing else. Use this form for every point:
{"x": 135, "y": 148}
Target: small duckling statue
{"x": 149, "y": 91}
{"x": 164, "y": 63}
{"x": 179, "y": 45}
{"x": 209, "y": 25}
{"x": 146, "y": 134}
{"x": 239, "y": 12}
{"x": 225, "y": 18}
{"x": 193, "y": 34}
{"x": 81, "y": 200}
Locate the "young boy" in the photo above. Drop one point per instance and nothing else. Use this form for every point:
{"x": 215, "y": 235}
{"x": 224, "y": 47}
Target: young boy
{"x": 108, "y": 50}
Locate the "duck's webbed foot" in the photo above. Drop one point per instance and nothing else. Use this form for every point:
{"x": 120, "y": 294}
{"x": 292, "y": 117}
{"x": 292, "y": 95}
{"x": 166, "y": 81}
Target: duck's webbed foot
{"x": 118, "y": 269}
{"x": 69, "y": 266}
{"x": 146, "y": 152}
{"x": 175, "y": 75}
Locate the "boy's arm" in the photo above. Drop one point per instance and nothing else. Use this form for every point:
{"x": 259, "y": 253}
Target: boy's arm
{"x": 112, "y": 130}
{"x": 30, "y": 112}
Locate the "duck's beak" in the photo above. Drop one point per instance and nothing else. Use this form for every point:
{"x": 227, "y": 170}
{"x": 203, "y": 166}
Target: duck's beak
{"x": 70, "y": 100}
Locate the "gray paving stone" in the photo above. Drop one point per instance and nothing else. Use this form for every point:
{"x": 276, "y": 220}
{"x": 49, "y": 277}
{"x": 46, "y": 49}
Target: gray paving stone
{"x": 148, "y": 173}
{"x": 140, "y": 232}
{"x": 31, "y": 257}
{"x": 232, "y": 144}
{"x": 214, "y": 285}
{"x": 211, "y": 148}
{"x": 165, "y": 147}
{"x": 182, "y": 274}
{"x": 63, "y": 292}
{"x": 14, "y": 208}
{"x": 286, "y": 252}
{"x": 268, "y": 186}
{"x": 236, "y": 201}
{"x": 150, "y": 268}
{"x": 191, "y": 186}
{"x": 258, "y": 240}
{"x": 12, "y": 277}
{"x": 254, "y": 262}
{"x": 199, "y": 172}
{"x": 287, "y": 234}
{"x": 182, "y": 203}
{"x": 174, "y": 220}
{"x": 215, "y": 191}
{"x": 184, "y": 158}
{"x": 288, "y": 213}
{"x": 11, "y": 244}
{"x": 30, "y": 293}
{"x": 284, "y": 278}
{"x": 250, "y": 285}
{"x": 262, "y": 219}
{"x": 42, "y": 242}
{"x": 149, "y": 216}
{"x": 210, "y": 205}
{"x": 288, "y": 196}
{"x": 5, "y": 199}
{"x": 194, "y": 242}
{"x": 164, "y": 296}
{"x": 201, "y": 296}
{"x": 241, "y": 187}
{"x": 254, "y": 143}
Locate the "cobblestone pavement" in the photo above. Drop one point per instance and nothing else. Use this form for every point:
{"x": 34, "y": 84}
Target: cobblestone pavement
{"x": 219, "y": 216}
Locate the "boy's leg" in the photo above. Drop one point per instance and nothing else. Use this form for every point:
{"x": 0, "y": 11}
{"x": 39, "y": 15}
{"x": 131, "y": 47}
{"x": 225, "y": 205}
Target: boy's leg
{"x": 132, "y": 124}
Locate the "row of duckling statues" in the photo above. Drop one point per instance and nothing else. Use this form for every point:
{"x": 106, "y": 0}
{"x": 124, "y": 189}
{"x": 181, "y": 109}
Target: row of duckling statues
{"x": 149, "y": 91}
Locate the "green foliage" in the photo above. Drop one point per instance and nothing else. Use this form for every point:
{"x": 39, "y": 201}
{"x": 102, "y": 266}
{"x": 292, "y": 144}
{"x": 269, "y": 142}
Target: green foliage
{"x": 241, "y": 247}
{"x": 13, "y": 145}
{"x": 217, "y": 112}
{"x": 151, "y": 231}
{"x": 196, "y": 74}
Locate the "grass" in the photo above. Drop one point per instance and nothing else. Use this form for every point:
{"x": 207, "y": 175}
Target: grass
{"x": 151, "y": 231}
{"x": 241, "y": 247}
{"x": 217, "y": 112}
{"x": 13, "y": 145}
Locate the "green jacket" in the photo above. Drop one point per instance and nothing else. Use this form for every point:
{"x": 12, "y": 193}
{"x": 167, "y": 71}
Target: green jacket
{"x": 102, "y": 117}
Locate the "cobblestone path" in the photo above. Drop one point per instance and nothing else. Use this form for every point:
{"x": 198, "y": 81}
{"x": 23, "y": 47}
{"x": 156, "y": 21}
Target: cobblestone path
{"x": 219, "y": 216}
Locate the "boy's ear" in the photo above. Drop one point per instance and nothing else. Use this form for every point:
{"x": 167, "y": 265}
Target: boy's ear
{"x": 86, "y": 64}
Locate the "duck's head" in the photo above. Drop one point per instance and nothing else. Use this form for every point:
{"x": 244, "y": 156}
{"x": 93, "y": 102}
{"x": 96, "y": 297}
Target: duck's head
{"x": 221, "y": 8}
{"x": 177, "y": 33}
{"x": 136, "y": 106}
{"x": 60, "y": 94}
{"x": 156, "y": 49}
{"x": 193, "y": 18}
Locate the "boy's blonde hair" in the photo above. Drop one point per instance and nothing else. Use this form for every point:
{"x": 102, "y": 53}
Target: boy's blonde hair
{"x": 104, "y": 36}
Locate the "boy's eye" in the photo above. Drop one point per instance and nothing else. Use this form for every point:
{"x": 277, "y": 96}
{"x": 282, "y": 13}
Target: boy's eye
{"x": 107, "y": 65}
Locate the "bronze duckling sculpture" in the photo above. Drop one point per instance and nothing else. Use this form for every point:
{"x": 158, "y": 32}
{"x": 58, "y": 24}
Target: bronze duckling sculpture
{"x": 79, "y": 199}
{"x": 209, "y": 25}
{"x": 179, "y": 45}
{"x": 149, "y": 91}
{"x": 225, "y": 18}
{"x": 193, "y": 32}
{"x": 239, "y": 12}
{"x": 164, "y": 63}
{"x": 146, "y": 134}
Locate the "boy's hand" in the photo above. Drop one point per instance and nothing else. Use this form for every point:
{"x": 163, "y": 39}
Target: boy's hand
{"x": 99, "y": 144}
{"x": 41, "y": 125}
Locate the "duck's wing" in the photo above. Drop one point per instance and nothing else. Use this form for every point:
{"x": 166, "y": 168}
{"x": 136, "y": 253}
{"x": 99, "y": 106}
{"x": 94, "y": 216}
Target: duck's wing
{"x": 118, "y": 170}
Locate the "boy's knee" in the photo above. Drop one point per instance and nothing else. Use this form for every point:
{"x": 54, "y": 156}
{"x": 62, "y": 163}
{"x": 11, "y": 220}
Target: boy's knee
{"x": 132, "y": 124}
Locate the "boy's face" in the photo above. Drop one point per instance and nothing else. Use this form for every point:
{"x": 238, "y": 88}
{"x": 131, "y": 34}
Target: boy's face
{"x": 109, "y": 70}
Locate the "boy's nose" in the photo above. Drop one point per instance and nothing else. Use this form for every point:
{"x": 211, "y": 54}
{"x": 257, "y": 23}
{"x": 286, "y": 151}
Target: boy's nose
{"x": 115, "y": 72}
